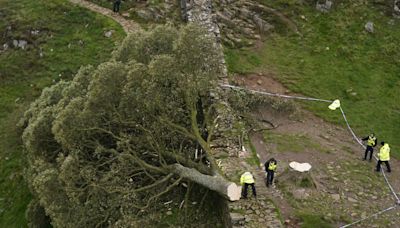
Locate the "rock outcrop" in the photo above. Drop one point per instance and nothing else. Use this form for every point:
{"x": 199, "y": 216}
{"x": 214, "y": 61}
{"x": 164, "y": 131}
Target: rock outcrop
{"x": 324, "y": 5}
{"x": 235, "y": 23}
{"x": 396, "y": 8}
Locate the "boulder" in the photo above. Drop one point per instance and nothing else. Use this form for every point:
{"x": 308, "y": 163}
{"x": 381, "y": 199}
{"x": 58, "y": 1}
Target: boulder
{"x": 236, "y": 218}
{"x": 369, "y": 27}
{"x": 335, "y": 197}
{"x": 324, "y": 6}
{"x": 144, "y": 14}
{"x": 109, "y": 33}
{"x": 20, "y": 43}
{"x": 396, "y": 8}
{"x": 262, "y": 25}
{"x": 300, "y": 194}
{"x": 352, "y": 200}
{"x": 245, "y": 13}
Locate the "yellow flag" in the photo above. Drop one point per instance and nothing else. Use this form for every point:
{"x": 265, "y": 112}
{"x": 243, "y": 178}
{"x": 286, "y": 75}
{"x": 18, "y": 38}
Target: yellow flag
{"x": 335, "y": 104}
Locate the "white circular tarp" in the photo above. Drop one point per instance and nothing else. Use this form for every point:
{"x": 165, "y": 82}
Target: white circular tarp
{"x": 301, "y": 167}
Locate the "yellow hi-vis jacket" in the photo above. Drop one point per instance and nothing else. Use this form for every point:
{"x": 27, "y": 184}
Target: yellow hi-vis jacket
{"x": 371, "y": 141}
{"x": 272, "y": 166}
{"x": 384, "y": 153}
{"x": 246, "y": 178}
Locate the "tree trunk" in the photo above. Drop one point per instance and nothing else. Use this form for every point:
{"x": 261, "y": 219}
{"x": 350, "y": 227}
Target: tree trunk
{"x": 217, "y": 183}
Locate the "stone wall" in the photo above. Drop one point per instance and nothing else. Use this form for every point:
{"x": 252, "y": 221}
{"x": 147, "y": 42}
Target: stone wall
{"x": 227, "y": 146}
{"x": 201, "y": 12}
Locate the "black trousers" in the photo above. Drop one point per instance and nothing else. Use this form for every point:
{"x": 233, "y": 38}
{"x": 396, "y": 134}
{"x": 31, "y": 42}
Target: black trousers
{"x": 378, "y": 166}
{"x": 270, "y": 177}
{"x": 116, "y": 6}
{"x": 253, "y": 188}
{"x": 369, "y": 149}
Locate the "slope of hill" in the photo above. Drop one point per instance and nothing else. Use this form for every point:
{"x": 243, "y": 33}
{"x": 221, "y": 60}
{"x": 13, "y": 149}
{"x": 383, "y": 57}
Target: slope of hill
{"x": 340, "y": 188}
{"x": 42, "y": 41}
{"x": 334, "y": 56}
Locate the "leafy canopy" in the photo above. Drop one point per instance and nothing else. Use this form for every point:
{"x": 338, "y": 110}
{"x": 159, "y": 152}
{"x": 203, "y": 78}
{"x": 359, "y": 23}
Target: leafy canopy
{"x": 99, "y": 146}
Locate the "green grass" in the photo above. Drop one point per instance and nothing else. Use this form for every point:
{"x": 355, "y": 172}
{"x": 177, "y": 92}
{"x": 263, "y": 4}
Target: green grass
{"x": 296, "y": 143}
{"x": 306, "y": 182}
{"x": 312, "y": 220}
{"x": 241, "y": 60}
{"x": 253, "y": 160}
{"x": 336, "y": 58}
{"x": 23, "y": 74}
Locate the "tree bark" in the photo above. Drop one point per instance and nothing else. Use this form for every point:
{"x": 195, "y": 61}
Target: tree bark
{"x": 216, "y": 183}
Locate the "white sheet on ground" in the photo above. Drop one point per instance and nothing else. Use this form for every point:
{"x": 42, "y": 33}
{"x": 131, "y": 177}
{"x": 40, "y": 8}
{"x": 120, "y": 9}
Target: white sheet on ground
{"x": 301, "y": 167}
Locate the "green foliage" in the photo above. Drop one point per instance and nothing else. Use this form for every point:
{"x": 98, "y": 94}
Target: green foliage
{"x": 23, "y": 74}
{"x": 36, "y": 215}
{"x": 100, "y": 146}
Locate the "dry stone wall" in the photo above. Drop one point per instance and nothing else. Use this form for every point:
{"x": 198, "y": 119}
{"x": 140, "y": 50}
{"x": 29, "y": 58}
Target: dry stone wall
{"x": 201, "y": 12}
{"x": 229, "y": 137}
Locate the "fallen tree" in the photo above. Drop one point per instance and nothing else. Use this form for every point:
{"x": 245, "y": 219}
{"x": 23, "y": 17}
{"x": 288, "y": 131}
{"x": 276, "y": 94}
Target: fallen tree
{"x": 117, "y": 138}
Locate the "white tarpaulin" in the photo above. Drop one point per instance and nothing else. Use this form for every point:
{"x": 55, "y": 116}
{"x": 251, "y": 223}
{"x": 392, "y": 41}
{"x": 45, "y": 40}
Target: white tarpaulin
{"x": 301, "y": 167}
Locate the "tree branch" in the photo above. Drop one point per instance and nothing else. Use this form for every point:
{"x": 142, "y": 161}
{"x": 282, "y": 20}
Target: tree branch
{"x": 168, "y": 189}
{"x": 198, "y": 136}
{"x": 154, "y": 184}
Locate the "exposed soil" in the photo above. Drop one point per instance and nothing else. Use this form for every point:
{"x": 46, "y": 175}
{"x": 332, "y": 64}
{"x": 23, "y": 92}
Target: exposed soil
{"x": 336, "y": 169}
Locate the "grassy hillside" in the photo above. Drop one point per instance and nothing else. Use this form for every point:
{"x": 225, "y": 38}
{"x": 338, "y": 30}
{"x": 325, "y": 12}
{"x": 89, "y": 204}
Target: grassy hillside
{"x": 67, "y": 37}
{"x": 336, "y": 58}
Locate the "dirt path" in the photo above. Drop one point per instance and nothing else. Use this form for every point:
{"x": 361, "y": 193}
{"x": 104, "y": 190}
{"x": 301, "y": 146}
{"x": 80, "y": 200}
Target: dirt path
{"x": 129, "y": 26}
{"x": 338, "y": 169}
